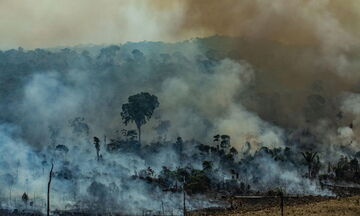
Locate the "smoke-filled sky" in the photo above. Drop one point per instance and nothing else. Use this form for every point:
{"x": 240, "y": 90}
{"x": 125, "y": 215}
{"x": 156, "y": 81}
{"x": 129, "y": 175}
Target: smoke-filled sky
{"x": 285, "y": 67}
{"x": 306, "y": 50}
{"x": 46, "y": 23}
{"x": 303, "y": 52}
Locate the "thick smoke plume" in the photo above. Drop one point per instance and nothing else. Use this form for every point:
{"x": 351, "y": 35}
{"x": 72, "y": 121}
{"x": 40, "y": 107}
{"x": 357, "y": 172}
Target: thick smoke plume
{"x": 59, "y": 101}
{"x": 287, "y": 77}
{"x": 305, "y": 53}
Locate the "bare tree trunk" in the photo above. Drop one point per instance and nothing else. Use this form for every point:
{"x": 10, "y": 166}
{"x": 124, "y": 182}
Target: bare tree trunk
{"x": 139, "y": 130}
{"x": 184, "y": 197}
{"x": 184, "y": 206}
{"x": 10, "y": 195}
{"x": 48, "y": 191}
{"x": 282, "y": 204}
{"x": 162, "y": 208}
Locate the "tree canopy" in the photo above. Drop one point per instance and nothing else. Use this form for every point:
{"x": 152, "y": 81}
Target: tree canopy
{"x": 139, "y": 109}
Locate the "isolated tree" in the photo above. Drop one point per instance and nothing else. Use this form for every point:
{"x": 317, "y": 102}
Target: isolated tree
{"x": 225, "y": 141}
{"x": 139, "y": 109}
{"x": 309, "y": 158}
{"x": 233, "y": 151}
{"x": 179, "y": 144}
{"x": 354, "y": 165}
{"x": 179, "y": 148}
{"x": 25, "y": 198}
{"x": 97, "y": 147}
{"x": 207, "y": 165}
{"x": 217, "y": 140}
{"x": 316, "y": 166}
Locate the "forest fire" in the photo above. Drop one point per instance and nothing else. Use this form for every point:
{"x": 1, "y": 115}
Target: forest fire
{"x": 262, "y": 120}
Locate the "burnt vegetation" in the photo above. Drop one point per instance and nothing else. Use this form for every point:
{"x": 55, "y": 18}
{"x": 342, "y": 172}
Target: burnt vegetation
{"x": 99, "y": 171}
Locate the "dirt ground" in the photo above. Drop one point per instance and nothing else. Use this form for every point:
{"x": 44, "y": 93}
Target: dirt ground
{"x": 309, "y": 206}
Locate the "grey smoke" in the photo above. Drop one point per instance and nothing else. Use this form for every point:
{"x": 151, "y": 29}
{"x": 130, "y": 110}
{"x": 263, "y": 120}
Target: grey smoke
{"x": 200, "y": 95}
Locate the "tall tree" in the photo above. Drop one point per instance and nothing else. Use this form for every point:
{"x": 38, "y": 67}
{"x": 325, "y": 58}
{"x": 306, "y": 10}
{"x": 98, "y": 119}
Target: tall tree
{"x": 139, "y": 109}
{"x": 309, "y": 158}
{"x": 25, "y": 199}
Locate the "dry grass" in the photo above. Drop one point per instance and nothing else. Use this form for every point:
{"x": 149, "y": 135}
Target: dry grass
{"x": 343, "y": 206}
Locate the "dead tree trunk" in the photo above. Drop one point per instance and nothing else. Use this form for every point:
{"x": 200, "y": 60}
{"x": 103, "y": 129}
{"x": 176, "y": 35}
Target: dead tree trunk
{"x": 97, "y": 155}
{"x": 139, "y": 131}
{"x": 48, "y": 191}
{"x": 282, "y": 204}
{"x": 184, "y": 205}
{"x": 184, "y": 199}
{"x": 162, "y": 208}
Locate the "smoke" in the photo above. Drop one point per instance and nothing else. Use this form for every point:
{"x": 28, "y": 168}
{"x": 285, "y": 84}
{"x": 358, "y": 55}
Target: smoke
{"x": 80, "y": 182}
{"x": 286, "y": 78}
{"x": 305, "y": 53}
{"x": 34, "y": 24}
{"x": 68, "y": 105}
{"x": 198, "y": 102}
{"x": 330, "y": 24}
{"x": 327, "y": 23}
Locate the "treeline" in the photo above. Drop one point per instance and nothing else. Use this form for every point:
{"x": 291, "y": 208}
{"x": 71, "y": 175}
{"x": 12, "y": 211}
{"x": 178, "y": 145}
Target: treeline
{"x": 222, "y": 167}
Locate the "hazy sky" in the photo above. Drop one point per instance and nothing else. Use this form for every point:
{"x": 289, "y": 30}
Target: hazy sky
{"x": 46, "y": 23}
